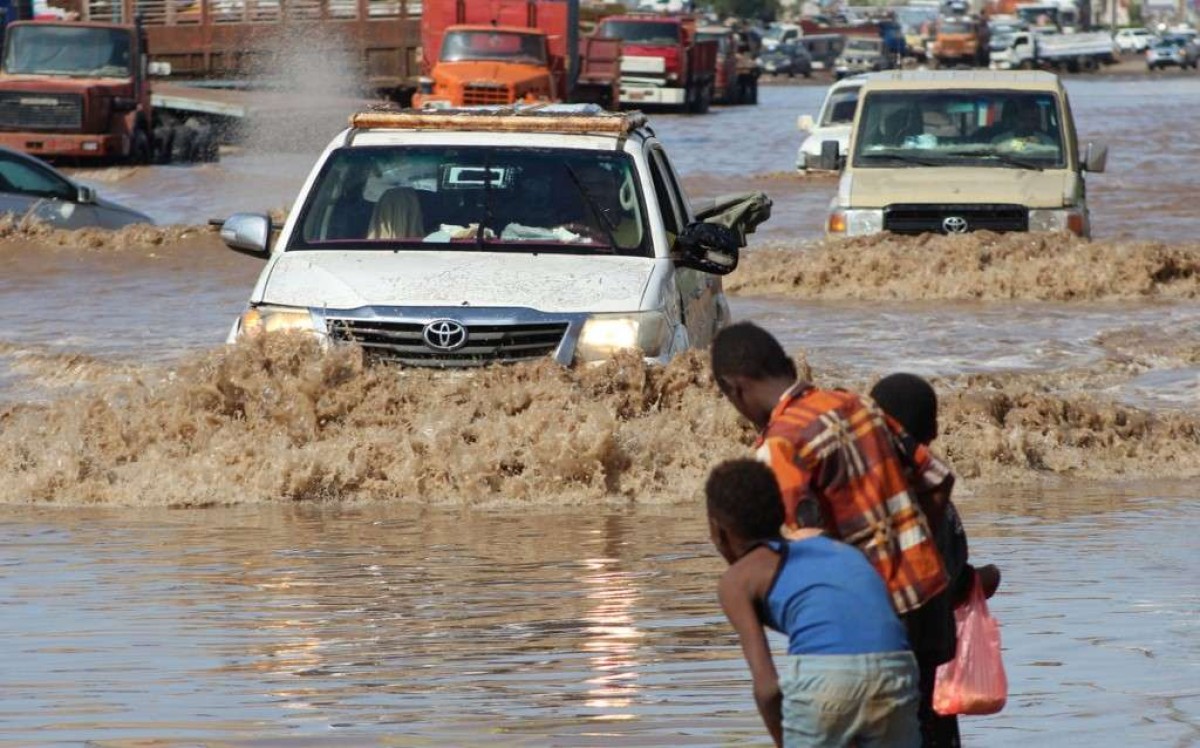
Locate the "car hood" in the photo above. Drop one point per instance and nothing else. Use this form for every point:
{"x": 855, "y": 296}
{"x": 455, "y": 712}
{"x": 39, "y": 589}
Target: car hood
{"x": 877, "y": 188}
{"x": 342, "y": 279}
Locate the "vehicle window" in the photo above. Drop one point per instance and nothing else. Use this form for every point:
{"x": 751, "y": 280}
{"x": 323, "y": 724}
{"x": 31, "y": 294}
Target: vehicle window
{"x": 722, "y": 41}
{"x": 973, "y": 128}
{"x": 955, "y": 27}
{"x": 640, "y": 32}
{"x": 67, "y": 50}
{"x": 492, "y": 45}
{"x": 667, "y": 204}
{"x": 525, "y": 199}
{"x": 839, "y": 110}
{"x": 685, "y": 208}
{"x": 19, "y": 176}
{"x": 862, "y": 45}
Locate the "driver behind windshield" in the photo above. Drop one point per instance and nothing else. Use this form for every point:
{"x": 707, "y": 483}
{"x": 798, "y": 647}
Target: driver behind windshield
{"x": 1021, "y": 127}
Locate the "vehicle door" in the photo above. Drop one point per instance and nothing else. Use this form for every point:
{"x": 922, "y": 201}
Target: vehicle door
{"x": 31, "y": 189}
{"x": 702, "y": 301}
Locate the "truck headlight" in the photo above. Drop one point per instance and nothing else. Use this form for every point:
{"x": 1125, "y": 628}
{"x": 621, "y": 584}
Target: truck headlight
{"x": 855, "y": 222}
{"x": 1073, "y": 220}
{"x": 263, "y": 319}
{"x": 605, "y": 335}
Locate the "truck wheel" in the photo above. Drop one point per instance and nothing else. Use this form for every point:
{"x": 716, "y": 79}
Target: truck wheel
{"x": 139, "y": 150}
{"x": 164, "y": 140}
{"x": 183, "y": 145}
{"x": 703, "y": 99}
{"x": 751, "y": 96}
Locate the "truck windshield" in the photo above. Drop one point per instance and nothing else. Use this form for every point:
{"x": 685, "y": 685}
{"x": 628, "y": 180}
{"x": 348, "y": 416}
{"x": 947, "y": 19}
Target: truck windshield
{"x": 68, "y": 50}
{"x": 1014, "y": 129}
{"x": 458, "y": 46}
{"x": 437, "y": 197}
{"x": 955, "y": 27}
{"x": 641, "y": 32}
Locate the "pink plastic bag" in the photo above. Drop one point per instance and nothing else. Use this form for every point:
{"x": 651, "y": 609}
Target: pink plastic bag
{"x": 974, "y": 681}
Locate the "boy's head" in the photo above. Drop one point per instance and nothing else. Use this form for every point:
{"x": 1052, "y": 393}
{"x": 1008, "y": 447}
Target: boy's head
{"x": 744, "y": 505}
{"x": 748, "y": 363}
{"x": 911, "y": 401}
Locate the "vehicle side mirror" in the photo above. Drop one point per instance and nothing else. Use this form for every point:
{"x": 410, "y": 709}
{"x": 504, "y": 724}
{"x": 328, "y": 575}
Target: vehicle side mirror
{"x": 1095, "y": 158}
{"x": 829, "y": 160}
{"x": 708, "y": 247}
{"x": 85, "y": 195}
{"x": 804, "y": 123}
{"x": 248, "y": 233}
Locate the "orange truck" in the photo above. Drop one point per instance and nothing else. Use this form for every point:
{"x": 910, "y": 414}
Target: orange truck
{"x": 961, "y": 40}
{"x": 504, "y": 52}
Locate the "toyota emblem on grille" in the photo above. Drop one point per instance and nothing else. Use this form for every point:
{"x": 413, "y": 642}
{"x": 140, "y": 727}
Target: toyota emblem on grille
{"x": 955, "y": 225}
{"x": 445, "y": 335}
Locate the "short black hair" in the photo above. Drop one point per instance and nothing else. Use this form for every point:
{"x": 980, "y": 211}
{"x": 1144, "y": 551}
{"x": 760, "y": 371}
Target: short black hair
{"x": 911, "y": 401}
{"x": 745, "y": 349}
{"x": 743, "y": 496}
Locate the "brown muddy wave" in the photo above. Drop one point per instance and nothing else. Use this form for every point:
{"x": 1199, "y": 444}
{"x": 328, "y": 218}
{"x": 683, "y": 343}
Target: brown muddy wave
{"x": 274, "y": 419}
{"x": 18, "y": 234}
{"x": 981, "y": 266}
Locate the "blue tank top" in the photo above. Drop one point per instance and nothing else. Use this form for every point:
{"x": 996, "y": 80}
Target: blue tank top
{"x": 828, "y": 599}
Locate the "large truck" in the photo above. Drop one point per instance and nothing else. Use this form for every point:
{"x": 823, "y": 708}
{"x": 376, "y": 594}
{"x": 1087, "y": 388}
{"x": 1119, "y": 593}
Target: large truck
{"x": 961, "y": 40}
{"x": 508, "y": 51}
{"x": 663, "y": 61}
{"x": 76, "y": 90}
{"x": 737, "y": 72}
{"x": 1025, "y": 50}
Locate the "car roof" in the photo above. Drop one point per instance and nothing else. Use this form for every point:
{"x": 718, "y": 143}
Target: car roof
{"x": 951, "y": 79}
{"x": 552, "y": 119}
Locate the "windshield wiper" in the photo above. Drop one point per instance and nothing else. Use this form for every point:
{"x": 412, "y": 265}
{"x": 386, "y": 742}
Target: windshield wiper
{"x": 597, "y": 213}
{"x": 907, "y": 158}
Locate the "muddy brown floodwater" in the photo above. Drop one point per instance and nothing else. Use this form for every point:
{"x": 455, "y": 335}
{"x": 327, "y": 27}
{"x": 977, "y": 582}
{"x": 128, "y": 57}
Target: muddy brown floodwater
{"x": 262, "y": 546}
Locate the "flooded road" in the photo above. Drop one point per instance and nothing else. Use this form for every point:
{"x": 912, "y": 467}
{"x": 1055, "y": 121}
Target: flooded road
{"x": 379, "y": 586}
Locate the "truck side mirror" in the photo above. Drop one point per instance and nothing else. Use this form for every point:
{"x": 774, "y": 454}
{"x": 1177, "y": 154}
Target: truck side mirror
{"x": 708, "y": 247}
{"x": 829, "y": 160}
{"x": 1095, "y": 158}
{"x": 248, "y": 233}
{"x": 804, "y": 123}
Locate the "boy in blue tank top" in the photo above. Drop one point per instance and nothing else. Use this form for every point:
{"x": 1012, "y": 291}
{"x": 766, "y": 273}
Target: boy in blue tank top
{"x": 849, "y": 677}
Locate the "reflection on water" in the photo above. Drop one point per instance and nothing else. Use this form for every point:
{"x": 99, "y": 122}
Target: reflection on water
{"x": 431, "y": 627}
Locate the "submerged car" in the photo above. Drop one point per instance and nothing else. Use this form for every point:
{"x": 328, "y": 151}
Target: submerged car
{"x": 861, "y": 55}
{"x": 832, "y": 123}
{"x": 471, "y": 237}
{"x": 31, "y": 188}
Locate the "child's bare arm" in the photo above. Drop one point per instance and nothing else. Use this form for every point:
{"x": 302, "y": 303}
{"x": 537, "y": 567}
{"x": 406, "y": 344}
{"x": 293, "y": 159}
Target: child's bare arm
{"x": 737, "y": 592}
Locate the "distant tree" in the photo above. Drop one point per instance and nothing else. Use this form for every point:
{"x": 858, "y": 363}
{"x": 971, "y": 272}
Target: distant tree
{"x": 762, "y": 10}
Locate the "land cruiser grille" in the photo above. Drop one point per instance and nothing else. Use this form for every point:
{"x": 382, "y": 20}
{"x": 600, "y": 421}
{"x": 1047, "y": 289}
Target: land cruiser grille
{"x": 485, "y": 93}
{"x": 922, "y": 219}
{"x": 26, "y": 110}
{"x": 404, "y": 342}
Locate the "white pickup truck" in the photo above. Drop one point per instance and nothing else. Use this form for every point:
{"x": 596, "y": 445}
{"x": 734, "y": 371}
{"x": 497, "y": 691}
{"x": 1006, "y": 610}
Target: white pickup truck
{"x": 474, "y": 236}
{"x": 1026, "y": 50}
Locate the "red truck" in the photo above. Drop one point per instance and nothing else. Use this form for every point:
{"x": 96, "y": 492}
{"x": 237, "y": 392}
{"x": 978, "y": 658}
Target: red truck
{"x": 507, "y": 51}
{"x": 663, "y": 62}
{"x": 76, "y": 90}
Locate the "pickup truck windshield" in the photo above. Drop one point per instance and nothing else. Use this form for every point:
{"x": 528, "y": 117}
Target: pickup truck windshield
{"x": 1011, "y": 129}
{"x": 641, "y": 32}
{"x": 956, "y": 27}
{"x": 437, "y": 197}
{"x": 65, "y": 50}
{"x": 459, "y": 46}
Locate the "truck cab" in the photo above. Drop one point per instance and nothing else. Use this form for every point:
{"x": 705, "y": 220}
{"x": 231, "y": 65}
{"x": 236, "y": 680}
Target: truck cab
{"x": 488, "y": 65}
{"x": 961, "y": 40}
{"x": 954, "y": 152}
{"x": 473, "y": 237}
{"x": 663, "y": 62}
{"x": 76, "y": 90}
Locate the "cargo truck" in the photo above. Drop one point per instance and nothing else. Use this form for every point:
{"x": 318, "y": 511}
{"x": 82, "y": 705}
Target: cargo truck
{"x": 1072, "y": 53}
{"x": 663, "y": 61}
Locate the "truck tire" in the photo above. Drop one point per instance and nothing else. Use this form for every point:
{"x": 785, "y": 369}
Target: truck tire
{"x": 183, "y": 145}
{"x": 750, "y": 96}
{"x": 1088, "y": 64}
{"x": 140, "y": 150}
{"x": 703, "y": 99}
{"x": 164, "y": 141}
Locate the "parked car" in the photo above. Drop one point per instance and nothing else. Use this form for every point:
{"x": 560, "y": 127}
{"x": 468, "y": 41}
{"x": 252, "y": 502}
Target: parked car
{"x": 861, "y": 55}
{"x": 1133, "y": 40}
{"x": 832, "y": 123}
{"x": 458, "y": 239}
{"x": 31, "y": 187}
{"x": 1173, "y": 51}
{"x": 790, "y": 59}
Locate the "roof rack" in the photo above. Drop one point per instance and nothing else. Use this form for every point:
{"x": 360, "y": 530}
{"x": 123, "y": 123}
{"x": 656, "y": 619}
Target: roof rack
{"x": 543, "y": 118}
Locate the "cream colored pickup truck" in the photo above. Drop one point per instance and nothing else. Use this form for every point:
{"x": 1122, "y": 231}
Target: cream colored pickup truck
{"x": 951, "y": 152}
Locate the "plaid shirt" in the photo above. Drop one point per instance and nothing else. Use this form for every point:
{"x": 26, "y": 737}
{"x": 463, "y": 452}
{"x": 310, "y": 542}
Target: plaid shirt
{"x": 835, "y": 448}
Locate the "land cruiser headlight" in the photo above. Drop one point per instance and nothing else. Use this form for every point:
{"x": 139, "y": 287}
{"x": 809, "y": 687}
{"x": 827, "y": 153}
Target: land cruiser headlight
{"x": 260, "y": 319}
{"x": 605, "y": 335}
{"x": 1069, "y": 219}
{"x": 855, "y": 222}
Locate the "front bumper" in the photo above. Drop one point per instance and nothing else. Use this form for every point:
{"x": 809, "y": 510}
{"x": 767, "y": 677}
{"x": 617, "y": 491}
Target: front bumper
{"x": 664, "y": 95}
{"x": 52, "y": 144}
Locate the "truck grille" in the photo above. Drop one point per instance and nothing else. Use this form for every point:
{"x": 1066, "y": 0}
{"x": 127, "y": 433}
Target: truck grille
{"x": 475, "y": 94}
{"x": 932, "y": 219}
{"x": 22, "y": 110}
{"x": 404, "y": 342}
